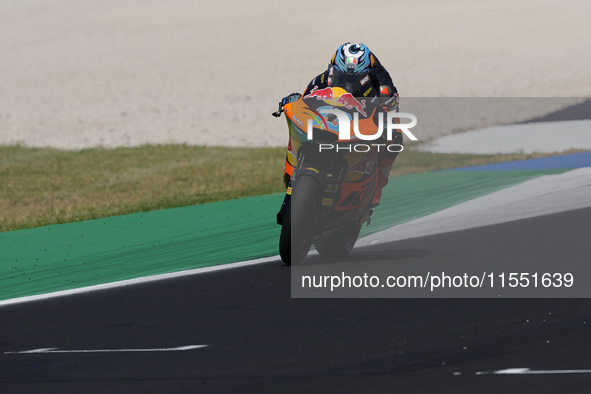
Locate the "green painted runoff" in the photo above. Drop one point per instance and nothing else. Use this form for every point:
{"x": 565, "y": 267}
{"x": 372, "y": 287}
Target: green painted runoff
{"x": 66, "y": 256}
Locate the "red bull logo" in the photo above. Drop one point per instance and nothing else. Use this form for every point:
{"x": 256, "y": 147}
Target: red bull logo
{"x": 349, "y": 102}
{"x": 321, "y": 94}
{"x": 345, "y": 99}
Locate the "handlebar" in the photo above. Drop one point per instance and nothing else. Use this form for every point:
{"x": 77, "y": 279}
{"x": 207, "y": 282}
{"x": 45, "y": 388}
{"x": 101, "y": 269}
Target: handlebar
{"x": 288, "y": 99}
{"x": 279, "y": 110}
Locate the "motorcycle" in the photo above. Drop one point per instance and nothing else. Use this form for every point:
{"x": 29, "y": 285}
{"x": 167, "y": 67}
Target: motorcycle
{"x": 330, "y": 177}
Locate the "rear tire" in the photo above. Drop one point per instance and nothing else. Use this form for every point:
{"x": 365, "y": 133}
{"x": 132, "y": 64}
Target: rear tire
{"x": 341, "y": 243}
{"x": 297, "y": 232}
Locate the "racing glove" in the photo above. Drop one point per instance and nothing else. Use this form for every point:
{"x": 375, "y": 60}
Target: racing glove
{"x": 390, "y": 103}
{"x": 291, "y": 98}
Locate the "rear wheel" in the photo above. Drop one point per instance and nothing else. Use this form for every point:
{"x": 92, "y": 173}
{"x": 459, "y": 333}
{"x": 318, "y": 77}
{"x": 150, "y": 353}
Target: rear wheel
{"x": 341, "y": 243}
{"x": 297, "y": 233}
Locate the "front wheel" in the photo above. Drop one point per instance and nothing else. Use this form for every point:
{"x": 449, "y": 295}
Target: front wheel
{"x": 297, "y": 231}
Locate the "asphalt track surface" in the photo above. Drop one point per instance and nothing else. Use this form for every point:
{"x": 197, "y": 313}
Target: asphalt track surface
{"x": 262, "y": 340}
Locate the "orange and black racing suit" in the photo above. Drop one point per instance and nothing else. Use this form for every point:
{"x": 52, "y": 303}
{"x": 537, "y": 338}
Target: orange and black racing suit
{"x": 383, "y": 84}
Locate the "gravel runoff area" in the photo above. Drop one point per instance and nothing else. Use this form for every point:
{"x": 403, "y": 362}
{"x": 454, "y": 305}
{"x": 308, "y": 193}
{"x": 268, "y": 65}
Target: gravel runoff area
{"x": 131, "y": 72}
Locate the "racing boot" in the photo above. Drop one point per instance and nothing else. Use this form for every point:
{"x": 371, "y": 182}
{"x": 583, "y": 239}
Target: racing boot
{"x": 384, "y": 167}
{"x": 385, "y": 161}
{"x": 386, "y": 158}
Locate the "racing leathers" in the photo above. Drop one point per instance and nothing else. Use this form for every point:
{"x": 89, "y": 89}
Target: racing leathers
{"x": 382, "y": 83}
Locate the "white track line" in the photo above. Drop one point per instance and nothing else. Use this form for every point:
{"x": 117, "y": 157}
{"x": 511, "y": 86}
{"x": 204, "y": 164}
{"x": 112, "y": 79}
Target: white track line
{"x": 527, "y": 371}
{"x": 147, "y": 279}
{"x": 57, "y": 350}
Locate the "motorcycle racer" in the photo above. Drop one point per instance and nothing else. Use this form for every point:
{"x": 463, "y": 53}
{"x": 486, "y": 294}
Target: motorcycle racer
{"x": 358, "y": 59}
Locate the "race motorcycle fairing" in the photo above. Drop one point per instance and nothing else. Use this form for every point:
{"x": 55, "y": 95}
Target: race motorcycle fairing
{"x": 330, "y": 173}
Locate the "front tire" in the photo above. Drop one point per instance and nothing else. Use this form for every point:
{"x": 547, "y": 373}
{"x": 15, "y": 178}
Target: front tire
{"x": 297, "y": 231}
